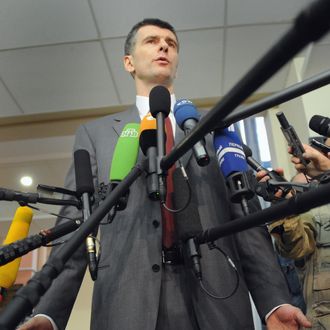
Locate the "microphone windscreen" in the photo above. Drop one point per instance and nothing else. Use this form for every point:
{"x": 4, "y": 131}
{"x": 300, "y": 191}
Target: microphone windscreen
{"x": 126, "y": 152}
{"x": 159, "y": 101}
{"x": 183, "y": 110}
{"x": 148, "y": 133}
{"x": 18, "y": 230}
{"x": 83, "y": 172}
{"x": 320, "y": 125}
{"x": 187, "y": 222}
{"x": 247, "y": 150}
{"x": 229, "y": 151}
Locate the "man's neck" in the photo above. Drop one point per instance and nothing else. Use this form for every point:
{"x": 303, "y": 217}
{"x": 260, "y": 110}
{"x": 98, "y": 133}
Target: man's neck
{"x": 144, "y": 89}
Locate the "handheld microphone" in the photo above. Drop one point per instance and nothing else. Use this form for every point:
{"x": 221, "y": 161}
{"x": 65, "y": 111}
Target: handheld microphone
{"x": 18, "y": 229}
{"x": 85, "y": 190}
{"x": 124, "y": 159}
{"x": 148, "y": 144}
{"x": 160, "y": 107}
{"x": 233, "y": 165}
{"x": 292, "y": 138}
{"x": 320, "y": 146}
{"x": 258, "y": 167}
{"x": 272, "y": 174}
{"x": 320, "y": 125}
{"x": 187, "y": 117}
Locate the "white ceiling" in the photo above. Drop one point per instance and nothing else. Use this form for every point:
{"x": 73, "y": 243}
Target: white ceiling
{"x": 65, "y": 55}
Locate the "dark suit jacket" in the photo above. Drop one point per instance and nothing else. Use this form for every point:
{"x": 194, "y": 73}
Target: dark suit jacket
{"x": 127, "y": 290}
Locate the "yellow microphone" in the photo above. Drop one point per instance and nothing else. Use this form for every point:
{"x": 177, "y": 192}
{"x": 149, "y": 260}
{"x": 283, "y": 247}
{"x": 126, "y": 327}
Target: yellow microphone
{"x": 18, "y": 230}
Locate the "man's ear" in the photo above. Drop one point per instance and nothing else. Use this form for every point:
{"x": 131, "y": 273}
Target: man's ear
{"x": 128, "y": 64}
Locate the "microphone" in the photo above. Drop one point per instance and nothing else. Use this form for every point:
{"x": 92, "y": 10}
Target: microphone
{"x": 18, "y": 229}
{"x": 33, "y": 198}
{"x": 320, "y": 125}
{"x": 187, "y": 222}
{"x": 187, "y": 117}
{"x": 233, "y": 165}
{"x": 320, "y": 146}
{"x": 272, "y": 174}
{"x": 23, "y": 246}
{"x": 124, "y": 159}
{"x": 148, "y": 144}
{"x": 160, "y": 106}
{"x": 85, "y": 190}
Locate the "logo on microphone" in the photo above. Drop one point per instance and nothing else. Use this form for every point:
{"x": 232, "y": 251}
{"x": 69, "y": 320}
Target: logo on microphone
{"x": 182, "y": 102}
{"x": 130, "y": 133}
{"x": 149, "y": 117}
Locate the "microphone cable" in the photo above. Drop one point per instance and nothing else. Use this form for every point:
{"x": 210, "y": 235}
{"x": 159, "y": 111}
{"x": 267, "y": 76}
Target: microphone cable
{"x": 212, "y": 246}
{"x": 186, "y": 179}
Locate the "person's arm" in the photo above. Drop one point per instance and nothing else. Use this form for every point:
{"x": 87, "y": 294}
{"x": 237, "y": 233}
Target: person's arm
{"x": 264, "y": 278}
{"x": 58, "y": 301}
{"x": 39, "y": 322}
{"x": 294, "y": 236}
{"x": 287, "y": 317}
{"x": 262, "y": 273}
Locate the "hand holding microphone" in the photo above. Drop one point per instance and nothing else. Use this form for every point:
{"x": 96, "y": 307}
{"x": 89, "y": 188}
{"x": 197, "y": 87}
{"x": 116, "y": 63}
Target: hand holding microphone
{"x": 263, "y": 174}
{"x": 319, "y": 163}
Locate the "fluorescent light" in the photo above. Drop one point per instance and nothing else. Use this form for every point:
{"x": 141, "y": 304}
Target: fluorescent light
{"x": 26, "y": 181}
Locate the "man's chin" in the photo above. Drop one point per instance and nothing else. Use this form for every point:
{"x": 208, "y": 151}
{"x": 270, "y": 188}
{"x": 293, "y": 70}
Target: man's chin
{"x": 163, "y": 79}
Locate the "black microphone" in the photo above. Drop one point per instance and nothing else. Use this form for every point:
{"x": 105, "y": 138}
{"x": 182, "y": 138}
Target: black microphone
{"x": 148, "y": 144}
{"x": 187, "y": 222}
{"x": 32, "y": 198}
{"x": 320, "y": 125}
{"x": 160, "y": 107}
{"x": 268, "y": 196}
{"x": 85, "y": 190}
{"x": 187, "y": 117}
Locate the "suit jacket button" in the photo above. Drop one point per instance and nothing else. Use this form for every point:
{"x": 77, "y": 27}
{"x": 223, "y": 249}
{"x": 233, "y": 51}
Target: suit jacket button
{"x": 155, "y": 268}
{"x": 155, "y": 223}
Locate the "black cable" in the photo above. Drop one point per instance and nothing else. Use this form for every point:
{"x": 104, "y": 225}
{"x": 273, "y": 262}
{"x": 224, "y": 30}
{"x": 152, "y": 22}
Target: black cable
{"x": 212, "y": 246}
{"x": 185, "y": 176}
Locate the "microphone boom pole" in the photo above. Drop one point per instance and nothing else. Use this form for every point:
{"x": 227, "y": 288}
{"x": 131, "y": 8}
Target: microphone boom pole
{"x": 285, "y": 95}
{"x": 310, "y": 25}
{"x": 298, "y": 204}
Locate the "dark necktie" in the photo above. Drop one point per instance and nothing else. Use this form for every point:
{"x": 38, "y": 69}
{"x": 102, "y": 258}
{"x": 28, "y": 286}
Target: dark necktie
{"x": 168, "y": 219}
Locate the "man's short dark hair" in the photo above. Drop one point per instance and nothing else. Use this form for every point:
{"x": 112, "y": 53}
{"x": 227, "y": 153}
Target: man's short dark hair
{"x": 130, "y": 39}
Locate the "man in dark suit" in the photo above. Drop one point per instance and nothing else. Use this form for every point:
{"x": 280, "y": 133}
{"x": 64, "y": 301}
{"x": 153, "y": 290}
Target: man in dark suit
{"x": 135, "y": 289}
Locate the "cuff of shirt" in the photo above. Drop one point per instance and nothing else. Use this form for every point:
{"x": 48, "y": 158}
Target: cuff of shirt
{"x": 273, "y": 310}
{"x": 50, "y": 320}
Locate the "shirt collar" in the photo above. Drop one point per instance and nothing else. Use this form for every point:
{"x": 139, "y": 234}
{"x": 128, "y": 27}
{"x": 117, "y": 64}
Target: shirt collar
{"x": 142, "y": 103}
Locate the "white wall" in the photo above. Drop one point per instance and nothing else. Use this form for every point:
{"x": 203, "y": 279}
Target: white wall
{"x": 298, "y": 112}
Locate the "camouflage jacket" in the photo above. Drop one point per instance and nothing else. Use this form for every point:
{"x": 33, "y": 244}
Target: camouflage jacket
{"x": 307, "y": 237}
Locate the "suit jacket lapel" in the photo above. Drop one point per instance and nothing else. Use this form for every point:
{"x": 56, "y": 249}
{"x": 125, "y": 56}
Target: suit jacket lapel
{"x": 122, "y": 118}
